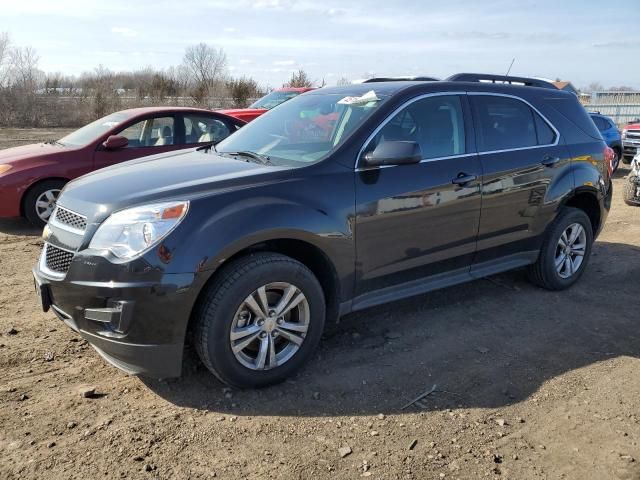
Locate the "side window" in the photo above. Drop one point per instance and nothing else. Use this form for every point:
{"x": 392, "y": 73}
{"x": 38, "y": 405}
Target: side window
{"x": 162, "y": 132}
{"x": 134, "y": 134}
{"x": 435, "y": 123}
{"x": 506, "y": 123}
{"x": 153, "y": 132}
{"x": 200, "y": 129}
{"x": 599, "y": 123}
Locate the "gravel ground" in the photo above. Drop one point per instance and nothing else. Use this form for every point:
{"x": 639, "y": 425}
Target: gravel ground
{"x": 525, "y": 384}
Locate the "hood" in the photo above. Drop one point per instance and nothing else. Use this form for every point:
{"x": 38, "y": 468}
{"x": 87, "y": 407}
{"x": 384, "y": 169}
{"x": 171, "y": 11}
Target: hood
{"x": 16, "y": 155}
{"x": 632, "y": 126}
{"x": 177, "y": 175}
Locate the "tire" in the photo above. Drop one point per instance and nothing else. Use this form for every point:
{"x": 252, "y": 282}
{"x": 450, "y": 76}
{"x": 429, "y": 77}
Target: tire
{"x": 38, "y": 193}
{"x": 629, "y": 192}
{"x": 223, "y": 309}
{"x": 616, "y": 160}
{"x": 544, "y": 272}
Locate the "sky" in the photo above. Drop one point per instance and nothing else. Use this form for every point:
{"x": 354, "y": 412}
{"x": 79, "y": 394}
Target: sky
{"x": 580, "y": 41}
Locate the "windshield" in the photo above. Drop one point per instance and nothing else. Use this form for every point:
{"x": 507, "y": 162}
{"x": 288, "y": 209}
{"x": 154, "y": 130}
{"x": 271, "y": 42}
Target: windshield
{"x": 274, "y": 99}
{"x": 90, "y": 132}
{"x": 303, "y": 130}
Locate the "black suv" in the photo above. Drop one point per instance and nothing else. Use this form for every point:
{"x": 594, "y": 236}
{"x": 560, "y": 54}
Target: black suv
{"x": 337, "y": 200}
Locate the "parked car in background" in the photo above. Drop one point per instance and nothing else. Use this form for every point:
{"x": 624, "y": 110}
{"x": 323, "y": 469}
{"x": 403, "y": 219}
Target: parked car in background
{"x": 32, "y": 176}
{"x": 266, "y": 103}
{"x": 252, "y": 246}
{"x": 630, "y": 141}
{"x": 611, "y": 136}
{"x": 631, "y": 192}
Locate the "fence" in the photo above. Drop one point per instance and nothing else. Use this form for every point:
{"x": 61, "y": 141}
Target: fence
{"x": 621, "y": 107}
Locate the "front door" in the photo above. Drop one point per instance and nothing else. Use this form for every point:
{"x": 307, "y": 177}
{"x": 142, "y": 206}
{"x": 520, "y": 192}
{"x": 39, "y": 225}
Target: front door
{"x": 146, "y": 137}
{"x": 418, "y": 220}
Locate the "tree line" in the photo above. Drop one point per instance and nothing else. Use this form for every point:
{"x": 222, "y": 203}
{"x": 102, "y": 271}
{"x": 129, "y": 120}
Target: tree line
{"x": 30, "y": 97}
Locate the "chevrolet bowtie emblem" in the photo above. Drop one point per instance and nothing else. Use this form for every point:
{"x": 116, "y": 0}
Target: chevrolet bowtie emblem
{"x": 46, "y": 232}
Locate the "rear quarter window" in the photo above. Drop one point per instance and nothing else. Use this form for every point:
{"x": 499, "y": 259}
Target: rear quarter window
{"x": 570, "y": 108}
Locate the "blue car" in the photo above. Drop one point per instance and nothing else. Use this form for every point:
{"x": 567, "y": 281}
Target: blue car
{"x": 611, "y": 135}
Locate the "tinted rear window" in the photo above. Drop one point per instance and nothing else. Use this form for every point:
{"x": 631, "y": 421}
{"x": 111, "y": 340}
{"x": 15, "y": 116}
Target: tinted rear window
{"x": 570, "y": 107}
{"x": 506, "y": 123}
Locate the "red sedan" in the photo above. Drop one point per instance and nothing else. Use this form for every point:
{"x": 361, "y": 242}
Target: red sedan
{"x": 32, "y": 176}
{"x": 266, "y": 103}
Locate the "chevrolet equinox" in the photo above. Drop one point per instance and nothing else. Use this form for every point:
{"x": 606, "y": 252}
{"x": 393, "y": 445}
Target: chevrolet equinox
{"x": 338, "y": 200}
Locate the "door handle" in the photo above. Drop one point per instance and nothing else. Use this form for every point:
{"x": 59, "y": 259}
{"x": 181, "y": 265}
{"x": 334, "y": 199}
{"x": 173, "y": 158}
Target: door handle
{"x": 463, "y": 179}
{"x": 549, "y": 161}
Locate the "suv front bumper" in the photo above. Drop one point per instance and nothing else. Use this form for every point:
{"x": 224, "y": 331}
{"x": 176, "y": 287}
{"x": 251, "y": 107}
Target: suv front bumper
{"x": 137, "y": 326}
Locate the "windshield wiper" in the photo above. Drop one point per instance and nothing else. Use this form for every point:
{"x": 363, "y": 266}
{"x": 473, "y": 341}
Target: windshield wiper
{"x": 264, "y": 159}
{"x": 211, "y": 147}
{"x": 55, "y": 142}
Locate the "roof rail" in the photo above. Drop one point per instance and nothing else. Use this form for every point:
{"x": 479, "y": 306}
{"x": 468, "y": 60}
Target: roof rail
{"x": 401, "y": 79}
{"x": 486, "y": 77}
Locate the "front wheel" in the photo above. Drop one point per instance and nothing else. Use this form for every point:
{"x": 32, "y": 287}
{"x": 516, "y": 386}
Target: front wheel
{"x": 40, "y": 201}
{"x": 260, "y": 320}
{"x": 565, "y": 251}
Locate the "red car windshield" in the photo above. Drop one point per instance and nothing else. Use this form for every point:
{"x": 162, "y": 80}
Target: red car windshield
{"x": 90, "y": 132}
{"x": 274, "y": 99}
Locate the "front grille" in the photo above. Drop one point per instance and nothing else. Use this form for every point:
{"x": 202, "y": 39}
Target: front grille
{"x": 57, "y": 259}
{"x": 67, "y": 217}
{"x": 633, "y": 134}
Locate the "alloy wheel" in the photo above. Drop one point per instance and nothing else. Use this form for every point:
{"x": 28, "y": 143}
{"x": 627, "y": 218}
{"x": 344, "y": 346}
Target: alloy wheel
{"x": 615, "y": 162}
{"x": 270, "y": 326}
{"x": 46, "y": 203}
{"x": 570, "y": 251}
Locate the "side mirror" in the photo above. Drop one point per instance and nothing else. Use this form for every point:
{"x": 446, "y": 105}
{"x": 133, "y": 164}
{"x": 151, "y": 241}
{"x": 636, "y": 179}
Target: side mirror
{"x": 115, "y": 142}
{"x": 394, "y": 153}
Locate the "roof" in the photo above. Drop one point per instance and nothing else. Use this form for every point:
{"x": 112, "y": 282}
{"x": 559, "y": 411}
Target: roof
{"x": 391, "y": 88}
{"x": 295, "y": 89}
{"x": 144, "y": 110}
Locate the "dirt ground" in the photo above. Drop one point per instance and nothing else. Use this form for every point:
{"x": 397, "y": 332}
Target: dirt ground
{"x": 526, "y": 384}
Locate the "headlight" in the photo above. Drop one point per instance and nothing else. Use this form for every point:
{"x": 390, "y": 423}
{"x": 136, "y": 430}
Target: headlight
{"x": 4, "y": 168}
{"x": 128, "y": 233}
{"x": 624, "y": 134}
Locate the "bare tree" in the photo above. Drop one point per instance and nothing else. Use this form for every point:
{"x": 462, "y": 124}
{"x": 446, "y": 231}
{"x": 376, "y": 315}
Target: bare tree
{"x": 343, "y": 81}
{"x": 623, "y": 88}
{"x": 5, "y": 45}
{"x": 24, "y": 68}
{"x": 593, "y": 87}
{"x": 206, "y": 66}
{"x": 299, "y": 79}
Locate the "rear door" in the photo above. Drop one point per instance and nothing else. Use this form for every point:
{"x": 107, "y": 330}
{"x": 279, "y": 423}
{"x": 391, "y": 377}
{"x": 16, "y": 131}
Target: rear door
{"x": 415, "y": 221}
{"x": 146, "y": 137}
{"x": 521, "y": 157}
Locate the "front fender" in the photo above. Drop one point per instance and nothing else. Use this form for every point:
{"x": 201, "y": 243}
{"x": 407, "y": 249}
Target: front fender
{"x": 211, "y": 236}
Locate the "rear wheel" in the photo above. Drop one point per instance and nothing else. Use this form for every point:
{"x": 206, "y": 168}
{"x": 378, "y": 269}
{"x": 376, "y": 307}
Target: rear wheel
{"x": 615, "y": 163}
{"x": 565, "y": 251}
{"x": 40, "y": 201}
{"x": 260, "y": 320}
{"x": 629, "y": 191}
